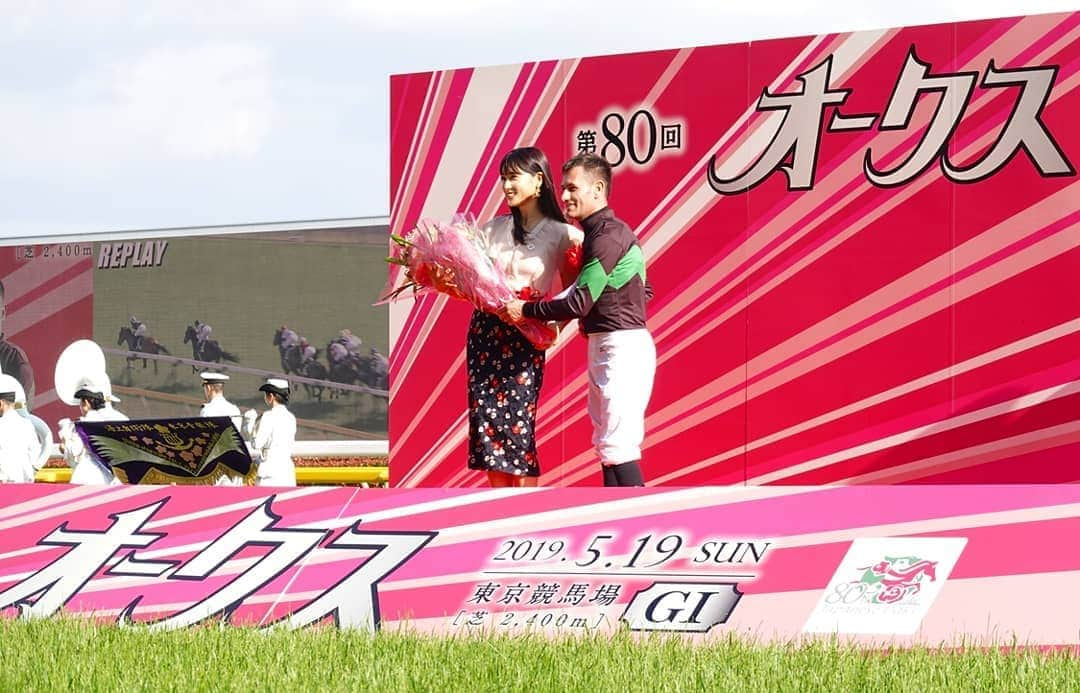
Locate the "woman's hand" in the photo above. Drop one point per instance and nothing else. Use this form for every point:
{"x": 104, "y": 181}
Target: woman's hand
{"x": 511, "y": 311}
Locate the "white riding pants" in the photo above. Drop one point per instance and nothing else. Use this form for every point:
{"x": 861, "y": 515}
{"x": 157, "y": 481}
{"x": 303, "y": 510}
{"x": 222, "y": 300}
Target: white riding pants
{"x": 621, "y": 369}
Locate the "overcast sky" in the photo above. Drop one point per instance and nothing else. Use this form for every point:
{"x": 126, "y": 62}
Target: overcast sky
{"x": 133, "y": 114}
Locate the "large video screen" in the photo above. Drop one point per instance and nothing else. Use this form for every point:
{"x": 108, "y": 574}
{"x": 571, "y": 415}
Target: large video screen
{"x": 290, "y": 303}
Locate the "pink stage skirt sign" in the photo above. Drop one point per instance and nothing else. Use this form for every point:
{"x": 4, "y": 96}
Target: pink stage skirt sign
{"x": 903, "y": 564}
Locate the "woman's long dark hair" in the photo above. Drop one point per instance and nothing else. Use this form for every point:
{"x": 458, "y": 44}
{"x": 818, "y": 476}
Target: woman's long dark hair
{"x": 532, "y": 160}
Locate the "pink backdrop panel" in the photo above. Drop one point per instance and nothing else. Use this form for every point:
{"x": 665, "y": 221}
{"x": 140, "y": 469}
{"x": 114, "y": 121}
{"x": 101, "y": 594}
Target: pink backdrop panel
{"x": 861, "y": 247}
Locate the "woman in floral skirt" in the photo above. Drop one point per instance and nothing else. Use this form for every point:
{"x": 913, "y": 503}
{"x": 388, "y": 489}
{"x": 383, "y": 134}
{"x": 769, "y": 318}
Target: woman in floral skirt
{"x": 533, "y": 245}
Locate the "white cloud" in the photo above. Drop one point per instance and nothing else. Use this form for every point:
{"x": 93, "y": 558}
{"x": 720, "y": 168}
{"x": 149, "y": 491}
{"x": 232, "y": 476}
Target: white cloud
{"x": 202, "y": 103}
{"x": 125, "y": 111}
{"x": 211, "y": 101}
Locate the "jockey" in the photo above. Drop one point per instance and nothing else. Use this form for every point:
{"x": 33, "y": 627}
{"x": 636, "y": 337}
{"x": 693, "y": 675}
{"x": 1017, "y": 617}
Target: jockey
{"x": 307, "y": 352}
{"x": 380, "y": 365}
{"x": 202, "y": 332}
{"x": 351, "y": 342}
{"x": 336, "y": 352}
{"x": 138, "y": 328}
{"x": 289, "y": 338}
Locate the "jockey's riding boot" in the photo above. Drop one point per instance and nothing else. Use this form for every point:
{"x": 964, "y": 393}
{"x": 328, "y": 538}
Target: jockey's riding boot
{"x": 629, "y": 474}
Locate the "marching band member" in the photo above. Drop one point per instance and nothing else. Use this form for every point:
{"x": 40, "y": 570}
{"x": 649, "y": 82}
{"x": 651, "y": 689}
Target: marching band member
{"x": 19, "y": 447}
{"x": 94, "y": 396}
{"x": 216, "y": 404}
{"x": 273, "y": 436}
{"x": 41, "y": 429}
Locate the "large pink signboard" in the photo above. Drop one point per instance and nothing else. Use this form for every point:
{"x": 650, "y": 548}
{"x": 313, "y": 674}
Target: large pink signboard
{"x": 863, "y": 247}
{"x": 931, "y": 564}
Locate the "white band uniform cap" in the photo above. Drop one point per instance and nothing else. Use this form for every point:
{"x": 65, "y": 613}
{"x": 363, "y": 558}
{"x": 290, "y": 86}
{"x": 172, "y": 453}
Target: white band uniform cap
{"x": 213, "y": 377}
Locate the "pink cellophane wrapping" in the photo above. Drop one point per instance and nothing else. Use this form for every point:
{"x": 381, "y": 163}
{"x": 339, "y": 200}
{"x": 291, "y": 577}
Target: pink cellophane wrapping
{"x": 450, "y": 259}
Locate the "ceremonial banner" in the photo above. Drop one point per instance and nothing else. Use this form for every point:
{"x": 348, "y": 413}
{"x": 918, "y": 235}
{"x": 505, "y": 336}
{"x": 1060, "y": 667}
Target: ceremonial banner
{"x": 863, "y": 247}
{"x": 170, "y": 451}
{"x": 977, "y": 565}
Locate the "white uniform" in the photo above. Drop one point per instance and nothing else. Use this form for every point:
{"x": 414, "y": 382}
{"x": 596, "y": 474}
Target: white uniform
{"x": 622, "y": 365}
{"x": 19, "y": 448}
{"x": 273, "y": 442}
{"x": 219, "y": 406}
{"x": 87, "y": 469}
{"x": 44, "y": 437}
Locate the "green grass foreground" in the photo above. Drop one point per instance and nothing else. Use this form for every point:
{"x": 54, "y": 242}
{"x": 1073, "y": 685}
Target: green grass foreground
{"x": 59, "y": 655}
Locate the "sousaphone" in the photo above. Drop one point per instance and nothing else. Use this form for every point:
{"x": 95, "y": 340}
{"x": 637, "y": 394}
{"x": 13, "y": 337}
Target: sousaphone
{"x": 82, "y": 363}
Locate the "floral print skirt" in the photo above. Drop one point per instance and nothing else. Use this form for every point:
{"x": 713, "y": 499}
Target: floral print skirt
{"x": 505, "y": 374}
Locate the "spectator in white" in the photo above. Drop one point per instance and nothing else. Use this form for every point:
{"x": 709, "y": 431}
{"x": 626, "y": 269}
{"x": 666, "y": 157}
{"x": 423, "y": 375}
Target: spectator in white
{"x": 93, "y": 396}
{"x": 273, "y": 436}
{"x": 19, "y": 445}
{"x": 41, "y": 429}
{"x": 138, "y": 328}
{"x": 214, "y": 395}
{"x": 202, "y": 332}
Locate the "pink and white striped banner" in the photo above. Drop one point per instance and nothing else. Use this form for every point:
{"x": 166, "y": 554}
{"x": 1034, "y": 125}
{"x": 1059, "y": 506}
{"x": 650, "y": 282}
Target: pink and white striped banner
{"x": 863, "y": 249}
{"x": 914, "y": 563}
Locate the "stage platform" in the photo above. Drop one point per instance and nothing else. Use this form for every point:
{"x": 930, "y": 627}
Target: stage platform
{"x": 305, "y": 476}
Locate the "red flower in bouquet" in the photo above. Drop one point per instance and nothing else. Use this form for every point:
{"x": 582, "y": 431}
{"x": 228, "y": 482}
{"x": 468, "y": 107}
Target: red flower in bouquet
{"x": 573, "y": 257}
{"x": 447, "y": 258}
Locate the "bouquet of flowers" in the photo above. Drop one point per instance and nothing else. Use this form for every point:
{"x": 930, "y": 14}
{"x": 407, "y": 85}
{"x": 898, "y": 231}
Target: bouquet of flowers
{"x": 449, "y": 259}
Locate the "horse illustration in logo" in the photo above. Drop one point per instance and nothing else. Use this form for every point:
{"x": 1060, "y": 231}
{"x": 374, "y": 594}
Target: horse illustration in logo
{"x": 894, "y": 579}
